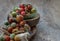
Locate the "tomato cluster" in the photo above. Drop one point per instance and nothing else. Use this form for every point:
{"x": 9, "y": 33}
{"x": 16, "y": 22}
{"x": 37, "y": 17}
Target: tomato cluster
{"x": 15, "y": 21}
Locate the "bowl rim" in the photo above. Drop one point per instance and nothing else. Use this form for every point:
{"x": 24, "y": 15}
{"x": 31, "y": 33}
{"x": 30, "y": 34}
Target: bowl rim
{"x": 38, "y": 16}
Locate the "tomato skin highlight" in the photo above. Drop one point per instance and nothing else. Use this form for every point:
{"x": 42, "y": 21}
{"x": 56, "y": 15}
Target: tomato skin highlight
{"x": 23, "y": 13}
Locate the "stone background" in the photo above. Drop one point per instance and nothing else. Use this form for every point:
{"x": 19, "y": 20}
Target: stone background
{"x": 48, "y": 28}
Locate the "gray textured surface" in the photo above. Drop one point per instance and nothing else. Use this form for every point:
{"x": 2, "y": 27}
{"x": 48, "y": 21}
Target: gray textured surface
{"x": 48, "y": 28}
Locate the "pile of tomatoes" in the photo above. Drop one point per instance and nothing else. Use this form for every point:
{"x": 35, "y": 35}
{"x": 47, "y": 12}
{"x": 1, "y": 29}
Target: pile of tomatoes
{"x": 15, "y": 21}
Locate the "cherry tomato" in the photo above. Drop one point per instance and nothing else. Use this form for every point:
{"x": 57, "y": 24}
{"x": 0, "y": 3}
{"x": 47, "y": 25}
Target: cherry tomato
{"x": 19, "y": 18}
{"x": 14, "y": 14}
{"x": 13, "y": 24}
{"x": 23, "y": 13}
{"x": 21, "y": 6}
{"x": 22, "y": 9}
{"x": 29, "y": 6}
{"x": 10, "y": 29}
{"x": 7, "y": 38}
{"x": 33, "y": 10}
{"x": 12, "y": 36}
{"x": 10, "y": 20}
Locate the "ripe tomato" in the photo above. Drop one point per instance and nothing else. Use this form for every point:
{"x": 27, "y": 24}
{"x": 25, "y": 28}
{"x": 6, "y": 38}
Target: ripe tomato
{"x": 10, "y": 29}
{"x": 21, "y": 6}
{"x": 7, "y": 38}
{"x": 23, "y": 13}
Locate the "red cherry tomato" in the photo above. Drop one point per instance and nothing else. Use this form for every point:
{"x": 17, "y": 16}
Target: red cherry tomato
{"x": 7, "y": 38}
{"x": 23, "y": 13}
{"x": 22, "y": 9}
{"x": 10, "y": 20}
{"x": 21, "y": 6}
{"x": 10, "y": 29}
{"x": 29, "y": 6}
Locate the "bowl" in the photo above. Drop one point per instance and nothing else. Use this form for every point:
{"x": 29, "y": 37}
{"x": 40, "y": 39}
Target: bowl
{"x": 34, "y": 21}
